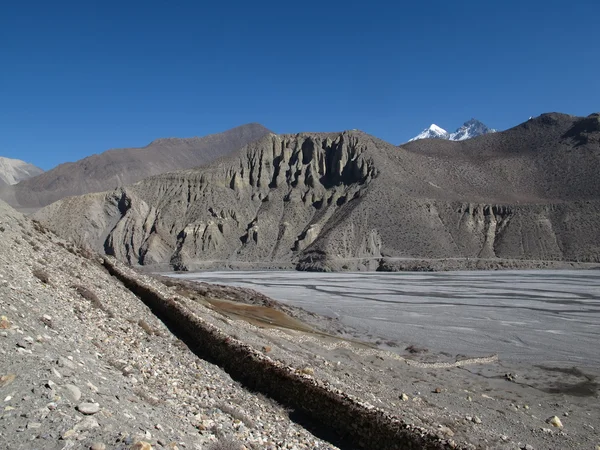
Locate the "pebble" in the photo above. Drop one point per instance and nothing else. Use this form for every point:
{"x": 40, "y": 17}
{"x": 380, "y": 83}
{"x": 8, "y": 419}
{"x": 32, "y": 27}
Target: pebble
{"x": 68, "y": 434}
{"x": 446, "y": 430}
{"x": 64, "y": 362}
{"x": 404, "y": 397}
{"x": 88, "y": 408}
{"x": 4, "y": 323}
{"x": 73, "y": 393}
{"x": 554, "y": 421}
{"x": 97, "y": 446}
{"x": 141, "y": 445}
{"x": 88, "y": 423}
{"x": 476, "y": 420}
{"x": 5, "y": 380}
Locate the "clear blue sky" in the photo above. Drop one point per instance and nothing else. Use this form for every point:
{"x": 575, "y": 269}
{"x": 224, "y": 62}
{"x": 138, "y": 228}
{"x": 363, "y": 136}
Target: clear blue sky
{"x": 80, "y": 77}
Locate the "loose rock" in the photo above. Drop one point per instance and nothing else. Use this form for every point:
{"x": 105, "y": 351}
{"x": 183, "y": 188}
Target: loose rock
{"x": 554, "y": 421}
{"x": 88, "y": 408}
{"x": 73, "y": 393}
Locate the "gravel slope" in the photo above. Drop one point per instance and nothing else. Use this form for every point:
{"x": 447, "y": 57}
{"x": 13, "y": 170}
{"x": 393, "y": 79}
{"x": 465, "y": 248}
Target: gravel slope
{"x": 84, "y": 362}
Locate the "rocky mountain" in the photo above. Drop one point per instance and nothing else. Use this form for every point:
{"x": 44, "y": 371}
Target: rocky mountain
{"x": 433, "y": 132}
{"x": 119, "y": 167}
{"x": 325, "y": 201}
{"x": 14, "y": 170}
{"x": 470, "y": 129}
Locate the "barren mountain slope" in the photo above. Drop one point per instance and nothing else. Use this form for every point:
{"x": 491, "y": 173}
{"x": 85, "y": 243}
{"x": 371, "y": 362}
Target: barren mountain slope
{"x": 120, "y": 167}
{"x": 349, "y": 200}
{"x": 14, "y": 170}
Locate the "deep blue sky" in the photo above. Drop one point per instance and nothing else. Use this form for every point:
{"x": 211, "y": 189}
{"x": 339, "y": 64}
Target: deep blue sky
{"x": 81, "y": 77}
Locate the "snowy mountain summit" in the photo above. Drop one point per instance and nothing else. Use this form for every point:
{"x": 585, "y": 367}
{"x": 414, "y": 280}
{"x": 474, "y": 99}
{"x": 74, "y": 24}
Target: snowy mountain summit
{"x": 433, "y": 132}
{"x": 470, "y": 129}
{"x": 14, "y": 170}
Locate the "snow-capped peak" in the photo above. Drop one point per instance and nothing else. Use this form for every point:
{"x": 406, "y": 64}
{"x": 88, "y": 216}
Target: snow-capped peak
{"x": 14, "y": 170}
{"x": 433, "y": 132}
{"x": 470, "y": 129}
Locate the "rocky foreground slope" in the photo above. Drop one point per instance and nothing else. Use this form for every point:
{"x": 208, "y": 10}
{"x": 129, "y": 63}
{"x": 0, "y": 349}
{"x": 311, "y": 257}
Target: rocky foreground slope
{"x": 525, "y": 197}
{"x": 95, "y": 355}
{"x": 120, "y": 167}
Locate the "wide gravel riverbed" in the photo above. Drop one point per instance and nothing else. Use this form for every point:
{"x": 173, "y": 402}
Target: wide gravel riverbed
{"x": 534, "y": 316}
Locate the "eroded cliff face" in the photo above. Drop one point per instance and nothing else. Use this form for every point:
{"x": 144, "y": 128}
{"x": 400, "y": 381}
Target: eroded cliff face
{"x": 267, "y": 205}
{"x": 335, "y": 201}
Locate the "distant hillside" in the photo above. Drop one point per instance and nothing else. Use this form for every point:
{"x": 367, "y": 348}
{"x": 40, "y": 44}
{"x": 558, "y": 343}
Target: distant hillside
{"x": 14, "y": 170}
{"x": 326, "y": 201}
{"x": 120, "y": 167}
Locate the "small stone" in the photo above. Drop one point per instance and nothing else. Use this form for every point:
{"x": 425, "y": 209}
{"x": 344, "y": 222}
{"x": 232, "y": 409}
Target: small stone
{"x": 528, "y": 447}
{"x": 476, "y": 420}
{"x": 72, "y": 392}
{"x": 8, "y": 398}
{"x": 141, "y": 445}
{"x": 34, "y": 425}
{"x": 52, "y": 406}
{"x": 446, "y": 430}
{"x": 5, "y": 380}
{"x": 88, "y": 423}
{"x": 127, "y": 370}
{"x": 566, "y": 414}
{"x": 554, "y": 421}
{"x": 28, "y": 339}
{"x": 68, "y": 434}
{"x": 64, "y": 362}
{"x": 4, "y": 323}
{"x": 404, "y": 397}
{"x": 526, "y": 406}
{"x": 469, "y": 399}
{"x": 88, "y": 408}
{"x": 50, "y": 384}
{"x": 437, "y": 390}
{"x": 97, "y": 446}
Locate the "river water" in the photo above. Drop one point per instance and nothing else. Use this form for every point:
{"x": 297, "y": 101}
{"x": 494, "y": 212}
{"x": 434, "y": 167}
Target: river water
{"x": 524, "y": 316}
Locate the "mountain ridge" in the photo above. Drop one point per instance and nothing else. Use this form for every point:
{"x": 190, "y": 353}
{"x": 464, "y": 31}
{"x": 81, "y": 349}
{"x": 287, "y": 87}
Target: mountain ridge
{"x": 470, "y": 129}
{"x": 117, "y": 167}
{"x": 334, "y": 201}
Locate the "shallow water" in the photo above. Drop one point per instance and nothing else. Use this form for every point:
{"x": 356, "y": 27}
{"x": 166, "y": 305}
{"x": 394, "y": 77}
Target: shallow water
{"x": 549, "y": 317}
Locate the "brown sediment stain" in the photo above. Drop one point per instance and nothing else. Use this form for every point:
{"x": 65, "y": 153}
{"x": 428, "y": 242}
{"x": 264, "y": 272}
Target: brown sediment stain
{"x": 267, "y": 317}
{"x": 260, "y": 316}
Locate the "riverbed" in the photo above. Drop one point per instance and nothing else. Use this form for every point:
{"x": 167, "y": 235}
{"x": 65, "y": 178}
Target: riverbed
{"x": 545, "y": 317}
